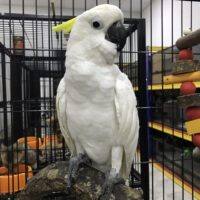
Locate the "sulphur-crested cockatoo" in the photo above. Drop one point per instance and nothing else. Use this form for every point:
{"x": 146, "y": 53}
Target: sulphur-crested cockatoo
{"x": 96, "y": 104}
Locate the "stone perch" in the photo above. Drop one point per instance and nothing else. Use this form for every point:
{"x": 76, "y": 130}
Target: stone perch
{"x": 87, "y": 187}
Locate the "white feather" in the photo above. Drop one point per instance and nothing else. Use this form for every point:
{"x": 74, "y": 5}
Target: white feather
{"x": 125, "y": 102}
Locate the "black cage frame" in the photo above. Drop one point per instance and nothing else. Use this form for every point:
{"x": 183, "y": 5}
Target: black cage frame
{"x": 26, "y": 108}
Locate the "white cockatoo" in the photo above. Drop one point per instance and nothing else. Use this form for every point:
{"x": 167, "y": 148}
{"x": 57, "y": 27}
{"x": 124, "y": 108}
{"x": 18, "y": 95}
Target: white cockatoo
{"x": 96, "y": 104}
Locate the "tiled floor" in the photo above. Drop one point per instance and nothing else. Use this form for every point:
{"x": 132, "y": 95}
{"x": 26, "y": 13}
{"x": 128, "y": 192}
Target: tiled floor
{"x": 179, "y": 193}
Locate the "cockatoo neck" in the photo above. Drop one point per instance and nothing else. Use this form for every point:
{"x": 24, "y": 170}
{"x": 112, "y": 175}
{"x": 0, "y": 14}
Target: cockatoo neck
{"x": 100, "y": 54}
{"x": 93, "y": 48}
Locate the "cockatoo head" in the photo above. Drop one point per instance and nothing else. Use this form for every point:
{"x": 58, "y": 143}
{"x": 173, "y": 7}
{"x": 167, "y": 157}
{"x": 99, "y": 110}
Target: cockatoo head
{"x": 98, "y": 34}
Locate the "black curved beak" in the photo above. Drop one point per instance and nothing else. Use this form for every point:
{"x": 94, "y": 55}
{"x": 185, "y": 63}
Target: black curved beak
{"x": 117, "y": 34}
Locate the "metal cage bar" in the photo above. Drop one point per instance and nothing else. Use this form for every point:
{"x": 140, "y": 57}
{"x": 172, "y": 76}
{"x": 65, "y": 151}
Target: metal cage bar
{"x": 30, "y": 73}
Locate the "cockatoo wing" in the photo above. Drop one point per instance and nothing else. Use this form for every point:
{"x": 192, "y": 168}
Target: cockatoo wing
{"x": 61, "y": 107}
{"x": 127, "y": 116}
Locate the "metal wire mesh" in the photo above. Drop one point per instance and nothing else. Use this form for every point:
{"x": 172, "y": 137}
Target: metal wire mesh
{"x": 164, "y": 166}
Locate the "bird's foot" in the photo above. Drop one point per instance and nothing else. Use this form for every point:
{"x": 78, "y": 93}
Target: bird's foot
{"x": 111, "y": 180}
{"x": 74, "y": 163}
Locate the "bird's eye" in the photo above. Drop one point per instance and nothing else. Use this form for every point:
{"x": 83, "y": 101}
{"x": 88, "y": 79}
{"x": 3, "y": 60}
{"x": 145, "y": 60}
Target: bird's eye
{"x": 96, "y": 23}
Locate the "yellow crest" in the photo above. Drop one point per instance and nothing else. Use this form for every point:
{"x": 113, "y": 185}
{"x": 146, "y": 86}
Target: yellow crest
{"x": 65, "y": 26}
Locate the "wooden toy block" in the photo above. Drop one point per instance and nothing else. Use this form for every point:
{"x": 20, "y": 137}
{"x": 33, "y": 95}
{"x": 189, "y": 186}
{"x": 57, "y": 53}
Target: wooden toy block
{"x": 189, "y": 40}
{"x": 189, "y": 100}
{"x": 193, "y": 127}
{"x": 185, "y": 66}
{"x": 193, "y": 76}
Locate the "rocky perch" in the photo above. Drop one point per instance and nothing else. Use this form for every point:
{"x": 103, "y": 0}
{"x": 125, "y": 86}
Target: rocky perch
{"x": 87, "y": 187}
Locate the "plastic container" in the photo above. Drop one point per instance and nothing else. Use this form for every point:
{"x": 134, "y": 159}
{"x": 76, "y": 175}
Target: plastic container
{"x": 49, "y": 138}
{"x": 31, "y": 141}
{"x": 13, "y": 182}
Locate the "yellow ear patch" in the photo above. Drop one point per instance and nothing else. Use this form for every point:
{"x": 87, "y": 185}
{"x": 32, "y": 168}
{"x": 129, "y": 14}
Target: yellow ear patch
{"x": 65, "y": 26}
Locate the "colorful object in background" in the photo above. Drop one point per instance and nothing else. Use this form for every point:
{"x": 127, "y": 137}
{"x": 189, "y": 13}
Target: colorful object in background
{"x": 196, "y": 139}
{"x": 185, "y": 71}
{"x": 32, "y": 141}
{"x": 18, "y": 45}
{"x": 16, "y": 153}
{"x": 185, "y": 54}
{"x": 187, "y": 88}
{"x": 16, "y": 181}
{"x": 50, "y": 138}
{"x": 54, "y": 140}
{"x": 192, "y": 113}
{"x": 180, "y": 78}
{"x": 193, "y": 126}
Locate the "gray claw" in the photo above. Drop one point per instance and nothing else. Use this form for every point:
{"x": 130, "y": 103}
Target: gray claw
{"x": 74, "y": 163}
{"x": 106, "y": 192}
{"x": 73, "y": 170}
{"x": 109, "y": 183}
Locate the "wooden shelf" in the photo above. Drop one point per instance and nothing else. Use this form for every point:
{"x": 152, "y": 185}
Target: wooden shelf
{"x": 170, "y": 131}
{"x": 166, "y": 87}
{"x": 169, "y": 86}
